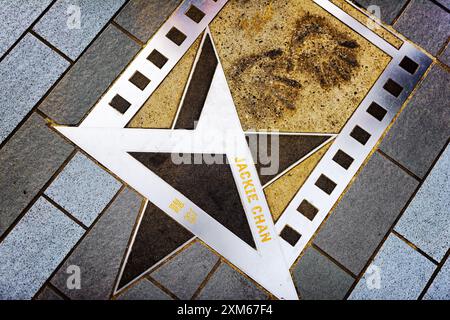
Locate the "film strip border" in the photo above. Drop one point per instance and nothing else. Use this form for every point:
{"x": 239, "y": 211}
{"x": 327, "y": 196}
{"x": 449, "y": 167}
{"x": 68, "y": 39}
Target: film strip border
{"x": 354, "y": 144}
{"x": 150, "y": 67}
{"x": 330, "y": 178}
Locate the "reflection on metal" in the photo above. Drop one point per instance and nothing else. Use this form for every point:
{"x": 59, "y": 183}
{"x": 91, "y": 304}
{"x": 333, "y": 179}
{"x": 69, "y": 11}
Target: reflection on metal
{"x": 268, "y": 266}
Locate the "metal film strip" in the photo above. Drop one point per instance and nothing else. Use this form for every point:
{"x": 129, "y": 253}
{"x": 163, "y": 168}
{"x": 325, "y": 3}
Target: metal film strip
{"x": 321, "y": 191}
{"x": 330, "y": 178}
{"x": 150, "y": 67}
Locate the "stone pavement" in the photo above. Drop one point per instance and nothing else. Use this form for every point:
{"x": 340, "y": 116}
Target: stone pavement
{"x": 388, "y": 238}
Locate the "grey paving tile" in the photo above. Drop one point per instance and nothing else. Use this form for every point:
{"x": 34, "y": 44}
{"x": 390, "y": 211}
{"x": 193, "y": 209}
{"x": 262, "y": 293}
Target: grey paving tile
{"x": 184, "y": 274}
{"x": 318, "y": 278}
{"x": 445, "y": 3}
{"x": 144, "y": 290}
{"x": 228, "y": 284}
{"x": 26, "y": 74}
{"x": 366, "y": 213}
{"x": 16, "y": 16}
{"x": 426, "y": 222}
{"x": 142, "y": 18}
{"x": 100, "y": 253}
{"x": 89, "y": 78}
{"x": 48, "y": 294}
{"x": 407, "y": 141}
{"x": 445, "y": 56}
{"x": 426, "y": 24}
{"x": 440, "y": 288}
{"x": 28, "y": 161}
{"x": 404, "y": 273}
{"x": 83, "y": 189}
{"x": 57, "y": 26}
{"x": 32, "y": 251}
{"x": 389, "y": 9}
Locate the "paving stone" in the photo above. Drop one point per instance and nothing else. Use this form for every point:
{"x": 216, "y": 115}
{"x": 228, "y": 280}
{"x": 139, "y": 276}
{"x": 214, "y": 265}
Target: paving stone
{"x": 445, "y": 56}
{"x": 426, "y": 222}
{"x": 58, "y": 25}
{"x": 26, "y": 74}
{"x": 318, "y": 278}
{"x": 89, "y": 78}
{"x": 100, "y": 253}
{"x": 389, "y": 9}
{"x": 404, "y": 273}
{"x": 184, "y": 274}
{"x": 228, "y": 284}
{"x": 366, "y": 213}
{"x": 142, "y": 18}
{"x": 15, "y": 17}
{"x": 28, "y": 161}
{"x": 32, "y": 251}
{"x": 445, "y": 3}
{"x": 407, "y": 141}
{"x": 440, "y": 288}
{"x": 49, "y": 294}
{"x": 426, "y": 24}
{"x": 144, "y": 290}
{"x": 83, "y": 189}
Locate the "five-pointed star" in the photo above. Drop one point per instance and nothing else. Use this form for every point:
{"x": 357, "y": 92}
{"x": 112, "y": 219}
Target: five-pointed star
{"x": 130, "y": 154}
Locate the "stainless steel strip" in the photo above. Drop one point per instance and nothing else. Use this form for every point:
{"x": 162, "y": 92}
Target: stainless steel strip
{"x": 345, "y": 142}
{"x": 103, "y": 115}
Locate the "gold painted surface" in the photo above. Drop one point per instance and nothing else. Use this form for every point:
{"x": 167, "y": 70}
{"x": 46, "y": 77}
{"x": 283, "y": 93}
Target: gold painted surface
{"x": 361, "y": 17}
{"x": 280, "y": 193}
{"x": 293, "y": 67}
{"x": 160, "y": 109}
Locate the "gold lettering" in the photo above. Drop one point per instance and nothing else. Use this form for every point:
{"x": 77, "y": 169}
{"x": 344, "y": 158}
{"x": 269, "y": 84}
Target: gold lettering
{"x": 245, "y": 175}
{"x": 257, "y": 209}
{"x": 242, "y": 167}
{"x": 176, "y": 205}
{"x": 265, "y": 237}
{"x": 252, "y": 197}
{"x": 248, "y": 184}
{"x": 259, "y": 219}
{"x": 261, "y": 229}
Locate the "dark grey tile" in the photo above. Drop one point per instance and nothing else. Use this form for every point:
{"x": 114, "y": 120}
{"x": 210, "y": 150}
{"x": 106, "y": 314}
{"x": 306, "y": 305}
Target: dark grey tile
{"x": 26, "y": 74}
{"x": 423, "y": 128}
{"x": 34, "y": 249}
{"x": 426, "y": 221}
{"x": 15, "y": 17}
{"x": 48, "y": 294}
{"x": 426, "y": 24}
{"x": 318, "y": 278}
{"x": 403, "y": 273}
{"x": 389, "y": 9}
{"x": 100, "y": 253}
{"x": 144, "y": 290}
{"x": 28, "y": 161}
{"x": 142, "y": 18}
{"x": 89, "y": 78}
{"x": 366, "y": 212}
{"x": 59, "y": 25}
{"x": 191, "y": 267}
{"x": 228, "y": 284}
